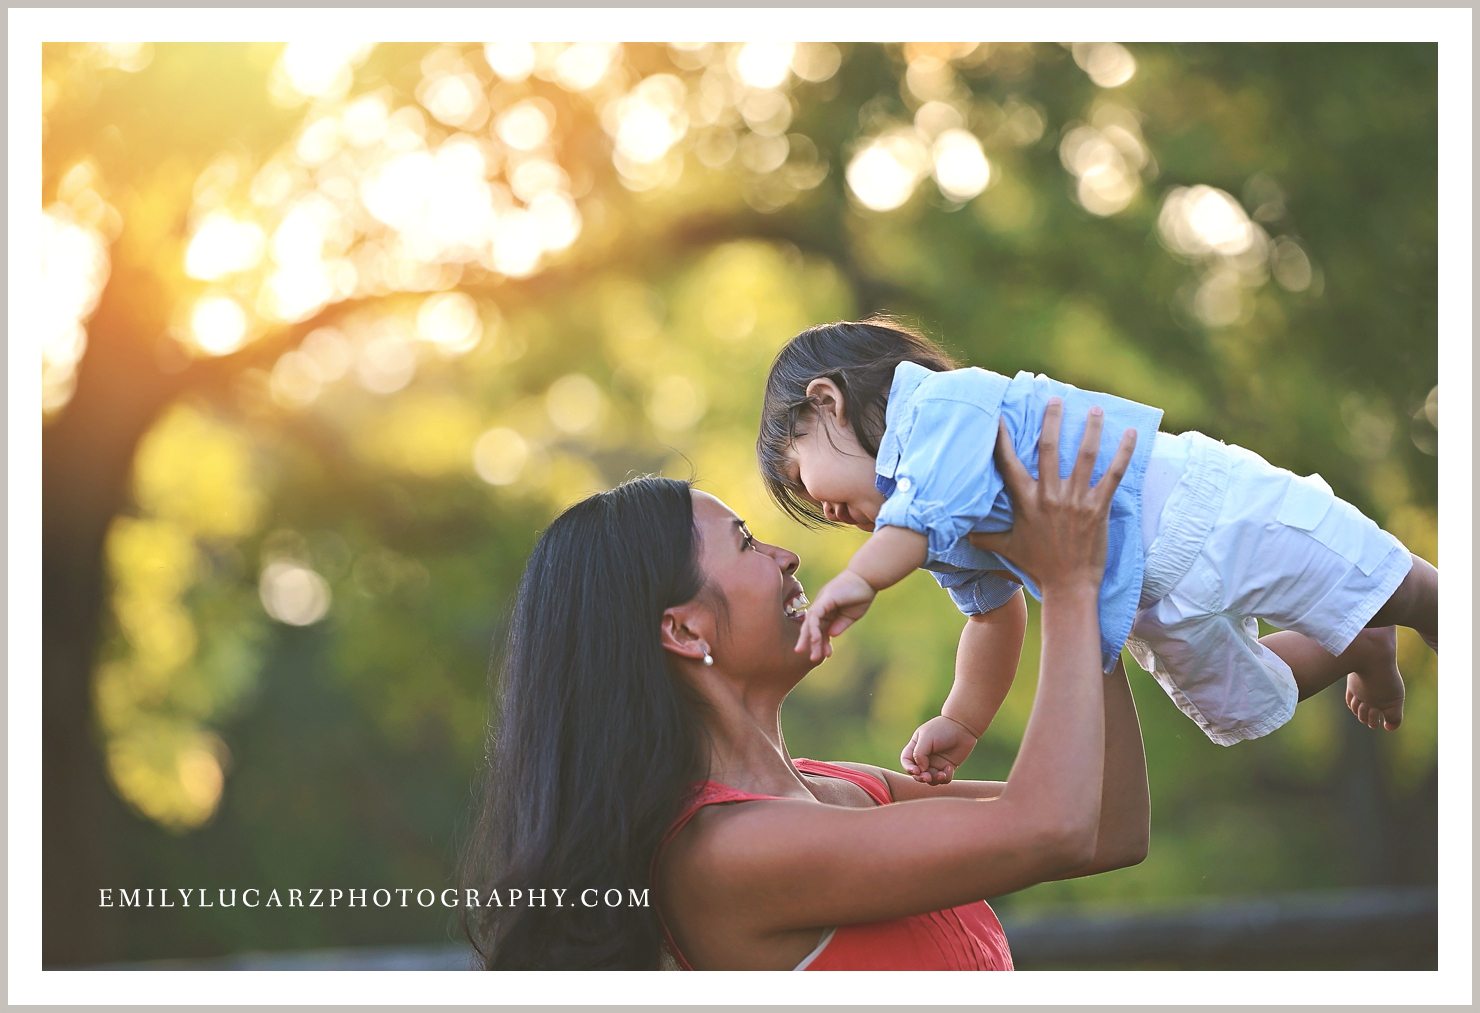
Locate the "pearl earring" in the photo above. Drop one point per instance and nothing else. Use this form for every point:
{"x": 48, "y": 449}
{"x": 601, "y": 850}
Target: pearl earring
{"x": 708, "y": 660}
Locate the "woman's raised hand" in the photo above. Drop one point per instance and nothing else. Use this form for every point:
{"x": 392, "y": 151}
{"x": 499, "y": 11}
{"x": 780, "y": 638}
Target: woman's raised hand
{"x": 1059, "y": 524}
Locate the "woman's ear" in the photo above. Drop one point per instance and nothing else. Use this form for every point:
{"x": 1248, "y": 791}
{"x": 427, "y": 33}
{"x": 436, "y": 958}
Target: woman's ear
{"x": 824, "y": 392}
{"x": 677, "y": 635}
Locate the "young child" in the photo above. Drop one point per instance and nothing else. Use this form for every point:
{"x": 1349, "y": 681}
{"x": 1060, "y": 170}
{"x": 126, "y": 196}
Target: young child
{"x": 872, "y": 425}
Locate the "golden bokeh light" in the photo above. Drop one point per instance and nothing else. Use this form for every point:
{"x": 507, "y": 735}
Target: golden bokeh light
{"x": 218, "y": 325}
{"x": 1290, "y": 265}
{"x": 74, "y": 269}
{"x": 450, "y": 322}
{"x": 886, "y": 171}
{"x": 168, "y": 770}
{"x": 512, "y": 61}
{"x": 1108, "y": 64}
{"x": 649, "y": 120}
{"x": 581, "y": 66}
{"x": 530, "y": 177}
{"x": 364, "y": 122}
{"x": 456, "y": 99}
{"x": 423, "y": 432}
{"x": 296, "y": 380}
{"x": 959, "y": 165}
{"x": 764, "y": 64}
{"x": 1201, "y": 221}
{"x": 575, "y": 403}
{"x": 219, "y": 495}
{"x": 518, "y": 243}
{"x": 1220, "y": 300}
{"x": 499, "y": 456}
{"x": 676, "y": 403}
{"x": 322, "y": 68}
{"x": 293, "y": 593}
{"x": 526, "y": 126}
{"x": 387, "y": 361}
{"x": 1107, "y": 157}
{"x": 816, "y": 61}
{"x": 223, "y": 244}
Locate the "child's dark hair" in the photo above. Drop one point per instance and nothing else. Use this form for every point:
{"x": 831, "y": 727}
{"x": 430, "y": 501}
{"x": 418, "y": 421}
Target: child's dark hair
{"x": 860, "y": 357}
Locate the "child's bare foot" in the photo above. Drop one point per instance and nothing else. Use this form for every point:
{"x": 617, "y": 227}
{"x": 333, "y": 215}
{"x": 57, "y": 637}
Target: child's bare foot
{"x": 1374, "y": 692}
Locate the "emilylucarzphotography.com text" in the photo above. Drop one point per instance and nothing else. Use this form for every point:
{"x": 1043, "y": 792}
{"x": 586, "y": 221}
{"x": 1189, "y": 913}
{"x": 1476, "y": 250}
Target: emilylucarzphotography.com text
{"x": 366, "y": 897}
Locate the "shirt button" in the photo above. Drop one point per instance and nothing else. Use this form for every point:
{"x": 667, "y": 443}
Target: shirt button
{"x": 904, "y": 485}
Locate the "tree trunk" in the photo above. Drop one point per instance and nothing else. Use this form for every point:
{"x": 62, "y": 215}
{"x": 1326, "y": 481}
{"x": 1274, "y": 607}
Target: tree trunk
{"x": 87, "y": 453}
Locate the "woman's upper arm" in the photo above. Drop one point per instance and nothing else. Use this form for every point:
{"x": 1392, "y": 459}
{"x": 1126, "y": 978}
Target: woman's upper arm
{"x": 785, "y": 864}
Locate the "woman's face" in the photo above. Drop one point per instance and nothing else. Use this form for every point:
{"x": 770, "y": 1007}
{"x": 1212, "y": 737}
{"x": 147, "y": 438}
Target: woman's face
{"x": 760, "y": 625}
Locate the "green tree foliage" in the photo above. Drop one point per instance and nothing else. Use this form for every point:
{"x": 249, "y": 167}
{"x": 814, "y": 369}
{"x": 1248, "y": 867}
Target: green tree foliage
{"x": 337, "y": 333}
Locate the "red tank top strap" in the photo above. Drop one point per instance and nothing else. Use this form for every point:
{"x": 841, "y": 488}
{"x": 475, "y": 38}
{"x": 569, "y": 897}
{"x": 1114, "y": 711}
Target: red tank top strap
{"x": 713, "y": 793}
{"x": 705, "y": 793}
{"x": 875, "y": 786}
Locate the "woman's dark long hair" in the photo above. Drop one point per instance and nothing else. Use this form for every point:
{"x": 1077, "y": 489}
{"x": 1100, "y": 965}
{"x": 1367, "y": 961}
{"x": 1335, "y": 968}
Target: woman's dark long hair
{"x": 595, "y": 743}
{"x": 860, "y": 357}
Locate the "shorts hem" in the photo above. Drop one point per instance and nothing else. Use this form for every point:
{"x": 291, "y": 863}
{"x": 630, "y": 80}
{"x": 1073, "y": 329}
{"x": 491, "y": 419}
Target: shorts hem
{"x": 1390, "y": 574}
{"x": 1257, "y": 730}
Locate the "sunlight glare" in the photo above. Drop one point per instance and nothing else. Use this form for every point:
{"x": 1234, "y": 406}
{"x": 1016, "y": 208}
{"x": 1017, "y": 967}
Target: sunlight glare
{"x": 961, "y": 168}
{"x": 222, "y": 245}
{"x": 764, "y": 64}
{"x": 1201, "y": 221}
{"x": 512, "y": 61}
{"x": 884, "y": 174}
{"x": 1108, "y": 64}
{"x": 650, "y": 119}
{"x": 292, "y": 593}
{"x": 322, "y": 67}
{"x": 582, "y": 65}
{"x": 450, "y": 321}
{"x": 218, "y": 325}
{"x": 526, "y": 125}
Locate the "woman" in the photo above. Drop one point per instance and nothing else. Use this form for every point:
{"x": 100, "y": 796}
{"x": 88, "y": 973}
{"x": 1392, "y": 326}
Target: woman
{"x": 649, "y": 653}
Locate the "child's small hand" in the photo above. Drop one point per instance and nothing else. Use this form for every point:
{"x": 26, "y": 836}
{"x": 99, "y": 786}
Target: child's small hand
{"x": 841, "y": 602}
{"x": 936, "y": 750}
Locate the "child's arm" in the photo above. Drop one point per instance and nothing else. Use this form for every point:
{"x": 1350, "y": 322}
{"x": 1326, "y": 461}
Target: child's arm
{"x": 986, "y": 662}
{"x": 885, "y": 559}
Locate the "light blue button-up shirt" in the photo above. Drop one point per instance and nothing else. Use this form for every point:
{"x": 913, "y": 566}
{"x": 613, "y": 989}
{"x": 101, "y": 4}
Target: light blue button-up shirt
{"x": 936, "y": 470}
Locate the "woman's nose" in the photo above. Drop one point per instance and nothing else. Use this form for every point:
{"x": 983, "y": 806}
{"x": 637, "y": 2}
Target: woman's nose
{"x": 786, "y": 559}
{"x": 830, "y": 511}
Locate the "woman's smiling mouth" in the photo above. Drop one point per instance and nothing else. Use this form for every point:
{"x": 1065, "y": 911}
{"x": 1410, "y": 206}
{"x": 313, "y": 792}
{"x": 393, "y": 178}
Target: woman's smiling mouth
{"x": 796, "y": 604}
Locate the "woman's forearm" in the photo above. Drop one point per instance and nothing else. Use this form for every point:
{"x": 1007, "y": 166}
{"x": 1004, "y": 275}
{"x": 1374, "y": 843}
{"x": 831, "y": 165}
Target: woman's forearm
{"x": 1125, "y": 802}
{"x": 1059, "y": 772}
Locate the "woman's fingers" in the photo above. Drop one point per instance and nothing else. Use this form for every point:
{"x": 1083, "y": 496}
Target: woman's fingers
{"x": 1118, "y": 465}
{"x": 1014, "y": 475}
{"x": 1089, "y": 449}
{"x": 1048, "y": 445}
{"x": 992, "y": 541}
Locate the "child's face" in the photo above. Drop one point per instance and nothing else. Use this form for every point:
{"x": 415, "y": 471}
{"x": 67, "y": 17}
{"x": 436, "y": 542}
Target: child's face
{"x": 836, "y": 472}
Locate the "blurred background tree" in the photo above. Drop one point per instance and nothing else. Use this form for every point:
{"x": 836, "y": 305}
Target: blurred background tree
{"x": 332, "y": 331}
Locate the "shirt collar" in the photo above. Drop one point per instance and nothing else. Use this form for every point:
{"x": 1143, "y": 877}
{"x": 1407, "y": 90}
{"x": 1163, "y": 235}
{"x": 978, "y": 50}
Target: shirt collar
{"x": 907, "y": 377}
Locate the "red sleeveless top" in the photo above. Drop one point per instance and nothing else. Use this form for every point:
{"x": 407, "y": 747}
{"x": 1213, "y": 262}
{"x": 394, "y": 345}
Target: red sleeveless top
{"x": 967, "y": 937}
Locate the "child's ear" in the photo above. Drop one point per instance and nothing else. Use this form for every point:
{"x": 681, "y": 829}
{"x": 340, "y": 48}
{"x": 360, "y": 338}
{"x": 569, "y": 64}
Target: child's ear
{"x": 828, "y": 398}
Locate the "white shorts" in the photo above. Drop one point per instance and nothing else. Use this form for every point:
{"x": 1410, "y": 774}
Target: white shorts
{"x": 1241, "y": 540}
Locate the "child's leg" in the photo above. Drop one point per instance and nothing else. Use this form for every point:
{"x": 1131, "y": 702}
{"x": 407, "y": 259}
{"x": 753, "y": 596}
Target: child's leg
{"x": 1415, "y": 603}
{"x": 1374, "y": 690}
